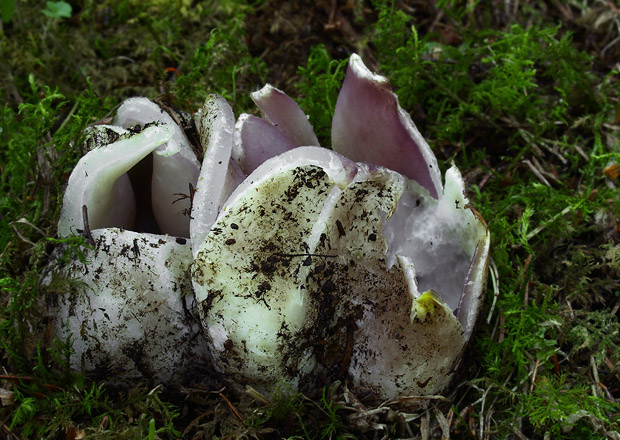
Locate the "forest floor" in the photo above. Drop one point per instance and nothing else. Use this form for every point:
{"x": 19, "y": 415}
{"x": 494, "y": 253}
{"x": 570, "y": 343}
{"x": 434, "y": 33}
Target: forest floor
{"x": 523, "y": 96}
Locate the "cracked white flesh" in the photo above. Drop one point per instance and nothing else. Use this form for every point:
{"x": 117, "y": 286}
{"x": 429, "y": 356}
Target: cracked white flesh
{"x": 132, "y": 318}
{"x": 297, "y": 264}
{"x": 172, "y": 174}
{"x": 473, "y": 291}
{"x": 99, "y": 180}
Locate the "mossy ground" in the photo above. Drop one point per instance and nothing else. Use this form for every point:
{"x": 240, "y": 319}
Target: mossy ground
{"x": 522, "y": 96}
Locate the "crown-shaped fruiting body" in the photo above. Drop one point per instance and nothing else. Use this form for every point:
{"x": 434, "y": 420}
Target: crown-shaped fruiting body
{"x": 354, "y": 262}
{"x": 307, "y": 263}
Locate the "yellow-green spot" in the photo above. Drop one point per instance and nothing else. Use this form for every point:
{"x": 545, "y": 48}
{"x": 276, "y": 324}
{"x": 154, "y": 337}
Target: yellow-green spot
{"x": 426, "y": 304}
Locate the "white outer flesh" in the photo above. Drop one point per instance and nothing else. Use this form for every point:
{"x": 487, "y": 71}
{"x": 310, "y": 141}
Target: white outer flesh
{"x": 271, "y": 317}
{"x": 133, "y": 317}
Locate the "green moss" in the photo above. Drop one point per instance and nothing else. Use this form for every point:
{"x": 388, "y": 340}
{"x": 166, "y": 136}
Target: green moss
{"x": 567, "y": 410}
{"x": 224, "y": 66}
{"x": 318, "y": 87}
{"x": 531, "y": 75}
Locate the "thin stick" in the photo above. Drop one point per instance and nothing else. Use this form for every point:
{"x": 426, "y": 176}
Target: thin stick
{"x": 233, "y": 409}
{"x": 89, "y": 236}
{"x": 12, "y": 377}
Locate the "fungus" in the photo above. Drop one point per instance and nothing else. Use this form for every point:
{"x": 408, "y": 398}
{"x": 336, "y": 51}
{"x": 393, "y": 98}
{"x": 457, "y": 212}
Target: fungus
{"x": 306, "y": 263}
{"x": 133, "y": 317}
{"x": 355, "y": 262}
